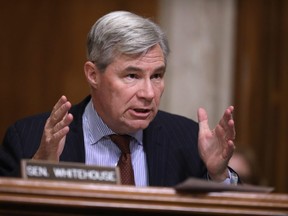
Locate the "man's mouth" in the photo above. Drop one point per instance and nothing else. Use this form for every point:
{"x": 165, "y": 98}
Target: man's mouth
{"x": 142, "y": 110}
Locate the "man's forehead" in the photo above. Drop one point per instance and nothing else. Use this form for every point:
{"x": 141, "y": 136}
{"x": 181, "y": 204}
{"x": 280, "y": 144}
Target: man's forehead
{"x": 152, "y": 51}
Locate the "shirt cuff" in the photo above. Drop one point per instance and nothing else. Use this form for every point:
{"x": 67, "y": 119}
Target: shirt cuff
{"x": 232, "y": 179}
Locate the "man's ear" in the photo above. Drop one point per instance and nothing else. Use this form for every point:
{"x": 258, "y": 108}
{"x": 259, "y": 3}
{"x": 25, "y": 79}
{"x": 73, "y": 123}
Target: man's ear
{"x": 91, "y": 73}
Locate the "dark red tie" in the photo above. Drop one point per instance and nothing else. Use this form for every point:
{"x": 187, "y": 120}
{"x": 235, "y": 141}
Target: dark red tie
{"x": 124, "y": 163}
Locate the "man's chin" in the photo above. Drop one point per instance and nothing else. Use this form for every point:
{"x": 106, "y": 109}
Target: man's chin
{"x": 138, "y": 125}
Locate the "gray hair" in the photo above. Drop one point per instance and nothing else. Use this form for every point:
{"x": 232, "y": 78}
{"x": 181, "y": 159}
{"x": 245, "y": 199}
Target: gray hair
{"x": 123, "y": 32}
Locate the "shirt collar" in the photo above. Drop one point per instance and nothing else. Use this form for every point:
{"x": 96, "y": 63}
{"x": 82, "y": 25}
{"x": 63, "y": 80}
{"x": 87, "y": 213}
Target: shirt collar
{"x": 97, "y": 129}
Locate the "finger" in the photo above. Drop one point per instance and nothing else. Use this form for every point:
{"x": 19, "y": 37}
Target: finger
{"x": 227, "y": 116}
{"x": 230, "y": 128}
{"x": 230, "y": 149}
{"x": 221, "y": 134}
{"x": 59, "y": 103}
{"x": 56, "y": 144}
{"x": 227, "y": 144}
{"x": 63, "y": 123}
{"x": 231, "y": 132}
{"x": 59, "y": 135}
{"x": 225, "y": 121}
{"x": 58, "y": 114}
{"x": 228, "y": 131}
{"x": 229, "y": 113}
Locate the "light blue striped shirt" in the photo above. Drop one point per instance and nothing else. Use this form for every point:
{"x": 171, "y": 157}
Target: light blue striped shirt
{"x": 101, "y": 151}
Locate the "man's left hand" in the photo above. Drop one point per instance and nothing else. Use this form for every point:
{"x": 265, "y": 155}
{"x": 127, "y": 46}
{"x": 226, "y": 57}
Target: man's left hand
{"x": 216, "y": 146}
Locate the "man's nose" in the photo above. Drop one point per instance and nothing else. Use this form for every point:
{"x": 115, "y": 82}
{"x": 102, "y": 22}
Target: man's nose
{"x": 146, "y": 91}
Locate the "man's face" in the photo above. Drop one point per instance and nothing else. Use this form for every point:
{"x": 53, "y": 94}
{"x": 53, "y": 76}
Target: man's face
{"x": 128, "y": 93}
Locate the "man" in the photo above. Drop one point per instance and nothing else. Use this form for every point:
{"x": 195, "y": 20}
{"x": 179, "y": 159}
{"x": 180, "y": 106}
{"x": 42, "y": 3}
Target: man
{"x": 127, "y": 58}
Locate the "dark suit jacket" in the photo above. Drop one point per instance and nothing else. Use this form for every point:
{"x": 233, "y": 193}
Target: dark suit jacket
{"x": 170, "y": 143}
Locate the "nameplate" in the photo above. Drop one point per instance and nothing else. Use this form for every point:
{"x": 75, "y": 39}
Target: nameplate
{"x": 68, "y": 171}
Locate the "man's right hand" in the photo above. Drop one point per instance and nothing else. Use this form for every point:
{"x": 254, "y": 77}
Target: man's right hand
{"x": 55, "y": 131}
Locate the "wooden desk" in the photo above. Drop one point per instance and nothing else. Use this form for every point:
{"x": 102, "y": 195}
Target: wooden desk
{"x": 41, "y": 197}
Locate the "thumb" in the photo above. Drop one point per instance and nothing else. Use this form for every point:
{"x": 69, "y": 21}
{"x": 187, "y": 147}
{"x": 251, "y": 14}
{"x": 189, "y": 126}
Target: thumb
{"x": 202, "y": 119}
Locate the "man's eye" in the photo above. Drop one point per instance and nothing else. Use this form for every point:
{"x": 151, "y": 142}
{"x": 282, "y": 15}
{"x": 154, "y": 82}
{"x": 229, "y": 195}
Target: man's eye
{"x": 157, "y": 76}
{"x": 132, "y": 76}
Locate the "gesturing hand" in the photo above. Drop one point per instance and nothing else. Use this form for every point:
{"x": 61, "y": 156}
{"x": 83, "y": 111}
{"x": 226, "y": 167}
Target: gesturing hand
{"x": 55, "y": 131}
{"x": 216, "y": 146}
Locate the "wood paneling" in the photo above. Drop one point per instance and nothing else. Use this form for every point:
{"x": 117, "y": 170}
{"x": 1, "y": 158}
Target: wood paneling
{"x": 42, "y": 51}
{"x": 261, "y": 86}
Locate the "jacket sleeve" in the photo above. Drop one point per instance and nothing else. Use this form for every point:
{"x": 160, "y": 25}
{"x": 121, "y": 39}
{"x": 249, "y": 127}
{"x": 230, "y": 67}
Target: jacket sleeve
{"x": 21, "y": 141}
{"x": 10, "y": 154}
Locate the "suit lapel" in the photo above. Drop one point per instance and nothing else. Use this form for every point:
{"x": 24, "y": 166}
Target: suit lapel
{"x": 74, "y": 149}
{"x": 154, "y": 148}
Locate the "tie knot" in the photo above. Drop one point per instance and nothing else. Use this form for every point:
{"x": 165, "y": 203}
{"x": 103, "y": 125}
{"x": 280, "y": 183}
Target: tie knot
{"x": 122, "y": 141}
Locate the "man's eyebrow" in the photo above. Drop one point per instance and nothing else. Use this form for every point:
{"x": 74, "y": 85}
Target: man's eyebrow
{"x": 161, "y": 69}
{"x": 133, "y": 68}
{"x": 137, "y": 69}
